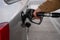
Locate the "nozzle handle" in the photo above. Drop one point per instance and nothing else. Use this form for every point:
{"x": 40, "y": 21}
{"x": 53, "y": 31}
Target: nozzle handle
{"x": 43, "y": 14}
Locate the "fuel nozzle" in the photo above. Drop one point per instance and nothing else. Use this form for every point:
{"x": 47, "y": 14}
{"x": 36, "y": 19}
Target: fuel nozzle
{"x": 29, "y": 15}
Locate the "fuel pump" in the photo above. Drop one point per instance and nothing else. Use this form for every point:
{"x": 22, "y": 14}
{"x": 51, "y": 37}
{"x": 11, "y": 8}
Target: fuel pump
{"x": 30, "y": 16}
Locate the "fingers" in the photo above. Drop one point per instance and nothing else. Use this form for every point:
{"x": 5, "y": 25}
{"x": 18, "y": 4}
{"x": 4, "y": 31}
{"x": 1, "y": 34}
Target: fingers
{"x": 36, "y": 12}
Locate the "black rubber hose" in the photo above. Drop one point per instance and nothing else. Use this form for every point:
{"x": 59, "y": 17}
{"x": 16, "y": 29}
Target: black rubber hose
{"x": 43, "y": 14}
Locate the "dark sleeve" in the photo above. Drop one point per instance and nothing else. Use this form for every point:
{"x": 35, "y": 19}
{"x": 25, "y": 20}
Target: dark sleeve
{"x": 49, "y": 6}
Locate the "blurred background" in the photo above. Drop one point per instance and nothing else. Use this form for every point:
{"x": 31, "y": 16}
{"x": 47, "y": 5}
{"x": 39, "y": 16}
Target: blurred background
{"x": 49, "y": 29}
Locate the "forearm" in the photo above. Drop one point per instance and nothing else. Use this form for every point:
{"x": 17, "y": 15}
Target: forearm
{"x": 49, "y": 6}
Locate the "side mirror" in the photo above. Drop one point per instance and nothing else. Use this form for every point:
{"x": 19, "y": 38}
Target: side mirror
{"x": 11, "y": 1}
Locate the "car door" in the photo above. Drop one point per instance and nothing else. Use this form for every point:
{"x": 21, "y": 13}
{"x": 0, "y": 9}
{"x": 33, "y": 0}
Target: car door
{"x": 11, "y": 14}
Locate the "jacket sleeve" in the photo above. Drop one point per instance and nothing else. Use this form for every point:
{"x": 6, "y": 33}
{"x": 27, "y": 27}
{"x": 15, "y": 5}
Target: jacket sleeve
{"x": 49, "y": 6}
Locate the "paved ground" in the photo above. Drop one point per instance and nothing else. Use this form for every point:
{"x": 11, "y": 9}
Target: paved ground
{"x": 45, "y": 31}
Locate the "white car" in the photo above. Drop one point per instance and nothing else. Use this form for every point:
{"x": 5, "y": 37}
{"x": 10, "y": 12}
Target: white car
{"x": 10, "y": 14}
{"x": 10, "y": 19}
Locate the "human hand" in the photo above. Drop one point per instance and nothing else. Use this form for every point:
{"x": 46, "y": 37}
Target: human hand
{"x": 36, "y": 12}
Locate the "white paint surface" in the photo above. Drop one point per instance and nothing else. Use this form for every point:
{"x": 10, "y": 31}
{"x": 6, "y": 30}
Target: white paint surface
{"x": 8, "y": 12}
